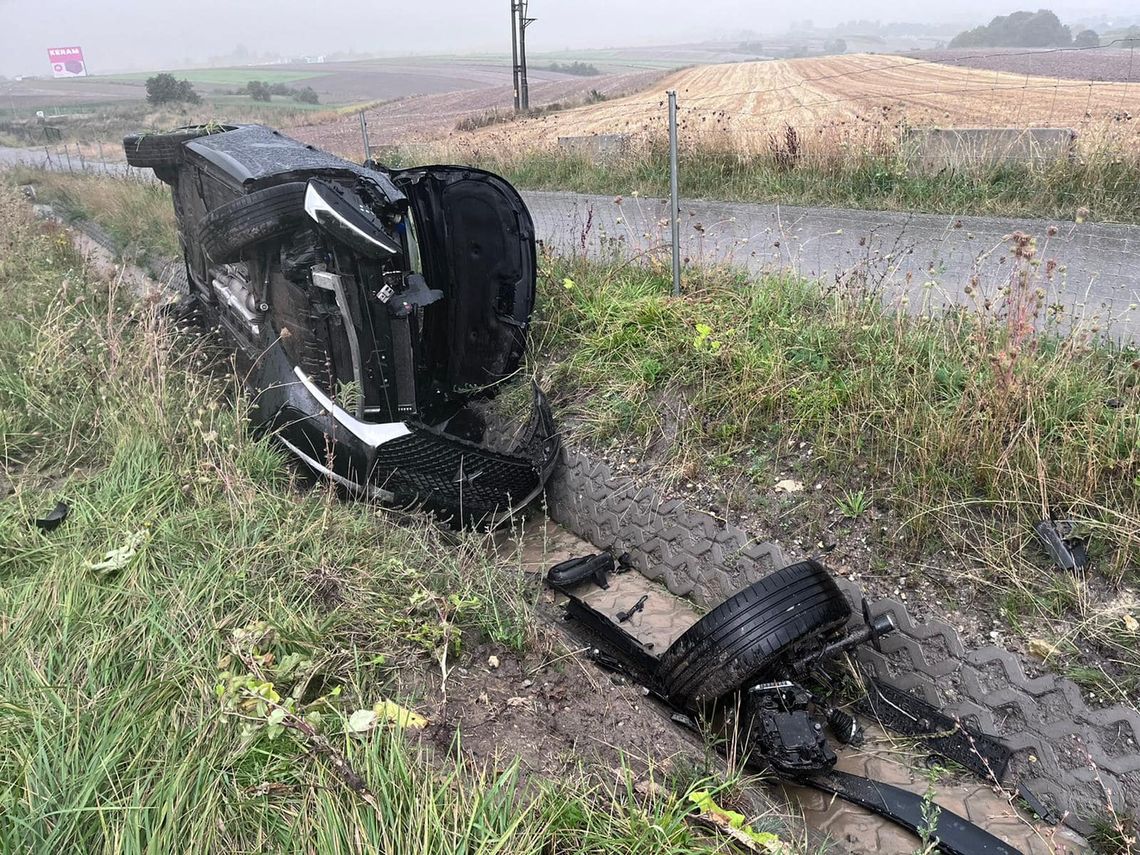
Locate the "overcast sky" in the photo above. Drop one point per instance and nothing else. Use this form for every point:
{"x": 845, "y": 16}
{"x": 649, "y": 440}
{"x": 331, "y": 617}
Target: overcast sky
{"x": 147, "y": 34}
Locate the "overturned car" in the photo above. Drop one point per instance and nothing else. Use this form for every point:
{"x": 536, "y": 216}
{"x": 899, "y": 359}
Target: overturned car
{"x": 370, "y": 310}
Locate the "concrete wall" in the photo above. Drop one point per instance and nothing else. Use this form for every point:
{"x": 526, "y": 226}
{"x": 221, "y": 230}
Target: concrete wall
{"x": 960, "y": 148}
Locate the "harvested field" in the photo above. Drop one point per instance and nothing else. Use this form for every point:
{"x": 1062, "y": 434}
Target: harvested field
{"x": 840, "y": 102}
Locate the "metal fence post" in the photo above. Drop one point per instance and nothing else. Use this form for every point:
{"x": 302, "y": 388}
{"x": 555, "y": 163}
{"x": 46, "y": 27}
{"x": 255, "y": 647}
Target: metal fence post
{"x": 674, "y": 201}
{"x": 364, "y": 136}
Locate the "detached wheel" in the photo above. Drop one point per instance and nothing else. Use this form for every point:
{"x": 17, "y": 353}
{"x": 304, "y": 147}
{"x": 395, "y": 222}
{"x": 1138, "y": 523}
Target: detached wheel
{"x": 751, "y": 631}
{"x": 263, "y": 215}
{"x": 164, "y": 151}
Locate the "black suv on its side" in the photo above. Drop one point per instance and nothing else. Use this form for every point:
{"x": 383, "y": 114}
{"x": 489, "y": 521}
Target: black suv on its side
{"x": 369, "y": 309}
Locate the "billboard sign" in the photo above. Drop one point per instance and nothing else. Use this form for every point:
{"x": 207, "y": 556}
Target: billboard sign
{"x": 67, "y": 62}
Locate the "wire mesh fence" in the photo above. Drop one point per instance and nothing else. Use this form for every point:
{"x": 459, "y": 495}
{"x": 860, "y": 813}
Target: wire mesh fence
{"x": 90, "y": 157}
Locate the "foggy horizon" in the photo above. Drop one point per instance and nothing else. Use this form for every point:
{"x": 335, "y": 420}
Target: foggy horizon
{"x": 139, "y": 36}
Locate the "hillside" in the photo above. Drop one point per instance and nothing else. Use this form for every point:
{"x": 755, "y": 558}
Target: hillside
{"x": 838, "y": 99}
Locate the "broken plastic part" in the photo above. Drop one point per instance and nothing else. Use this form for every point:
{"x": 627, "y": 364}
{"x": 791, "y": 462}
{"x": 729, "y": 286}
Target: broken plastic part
{"x": 956, "y": 835}
{"x": 371, "y": 434}
{"x": 902, "y": 712}
{"x": 593, "y": 567}
{"x": 622, "y": 617}
{"x": 332, "y": 282}
{"x": 415, "y": 294}
{"x": 53, "y": 520}
{"x": 1043, "y": 811}
{"x": 1067, "y": 551}
{"x": 604, "y": 660}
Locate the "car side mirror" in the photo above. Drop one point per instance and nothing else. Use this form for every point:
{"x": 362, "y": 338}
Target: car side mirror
{"x": 332, "y": 210}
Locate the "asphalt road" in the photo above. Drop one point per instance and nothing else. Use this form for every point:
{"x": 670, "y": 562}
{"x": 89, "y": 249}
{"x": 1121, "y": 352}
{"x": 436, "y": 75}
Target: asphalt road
{"x": 1089, "y": 269}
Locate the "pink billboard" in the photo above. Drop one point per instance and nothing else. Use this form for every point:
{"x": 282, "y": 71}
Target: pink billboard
{"x": 67, "y": 62}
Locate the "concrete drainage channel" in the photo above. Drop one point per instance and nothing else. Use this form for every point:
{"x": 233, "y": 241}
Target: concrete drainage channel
{"x": 1073, "y": 758}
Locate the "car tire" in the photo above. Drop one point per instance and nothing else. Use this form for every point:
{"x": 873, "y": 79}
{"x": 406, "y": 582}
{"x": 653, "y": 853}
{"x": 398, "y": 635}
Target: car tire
{"x": 751, "y": 631}
{"x": 262, "y": 215}
{"x": 164, "y": 151}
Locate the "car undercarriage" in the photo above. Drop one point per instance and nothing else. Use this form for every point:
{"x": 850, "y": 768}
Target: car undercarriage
{"x": 369, "y": 311}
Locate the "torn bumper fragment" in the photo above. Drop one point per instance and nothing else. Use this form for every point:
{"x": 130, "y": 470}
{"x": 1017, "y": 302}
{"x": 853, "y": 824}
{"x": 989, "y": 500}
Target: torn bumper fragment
{"x": 410, "y": 463}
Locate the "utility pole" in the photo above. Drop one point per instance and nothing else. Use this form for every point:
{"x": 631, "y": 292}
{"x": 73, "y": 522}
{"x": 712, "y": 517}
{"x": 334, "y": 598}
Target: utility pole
{"x": 524, "y": 22}
{"x": 515, "y": 51}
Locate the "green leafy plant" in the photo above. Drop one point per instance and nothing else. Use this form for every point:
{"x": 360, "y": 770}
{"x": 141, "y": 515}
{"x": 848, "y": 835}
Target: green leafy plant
{"x": 703, "y": 342}
{"x": 854, "y": 503}
{"x": 931, "y": 813}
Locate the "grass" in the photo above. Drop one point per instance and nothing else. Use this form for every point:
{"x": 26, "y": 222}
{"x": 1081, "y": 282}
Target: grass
{"x": 1101, "y": 186}
{"x": 970, "y": 426}
{"x": 138, "y": 215}
{"x": 166, "y": 647}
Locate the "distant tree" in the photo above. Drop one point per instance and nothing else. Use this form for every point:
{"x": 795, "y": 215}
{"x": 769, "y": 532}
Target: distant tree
{"x": 165, "y": 89}
{"x": 186, "y": 93}
{"x": 259, "y": 90}
{"x": 308, "y": 95}
{"x": 161, "y": 89}
{"x": 1086, "y": 39}
{"x": 835, "y": 46}
{"x": 582, "y": 69}
{"x": 1019, "y": 29}
{"x": 280, "y": 89}
{"x": 753, "y": 46}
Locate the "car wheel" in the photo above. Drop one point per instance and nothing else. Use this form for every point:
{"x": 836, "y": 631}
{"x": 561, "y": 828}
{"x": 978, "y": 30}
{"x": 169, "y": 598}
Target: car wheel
{"x": 163, "y": 151}
{"x": 750, "y": 632}
{"x": 262, "y": 215}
